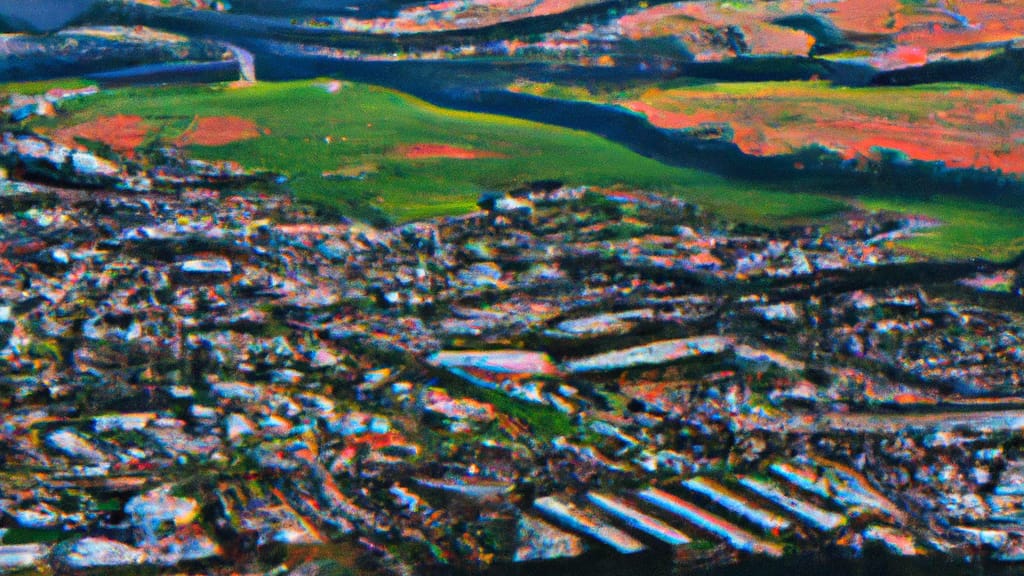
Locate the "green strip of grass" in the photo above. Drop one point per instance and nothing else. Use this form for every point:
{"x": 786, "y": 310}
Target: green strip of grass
{"x": 969, "y": 230}
{"x": 544, "y": 421}
{"x": 43, "y": 86}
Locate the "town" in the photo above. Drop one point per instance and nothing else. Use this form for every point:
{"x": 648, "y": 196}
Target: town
{"x": 201, "y": 375}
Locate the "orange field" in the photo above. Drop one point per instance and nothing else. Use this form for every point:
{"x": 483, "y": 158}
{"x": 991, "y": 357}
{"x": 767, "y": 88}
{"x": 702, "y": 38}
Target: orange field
{"x": 218, "y": 131}
{"x": 691, "y": 22}
{"x": 415, "y": 151}
{"x": 124, "y": 133}
{"x": 455, "y": 15}
{"x": 121, "y": 132}
{"x": 862, "y": 17}
{"x": 898, "y": 33}
{"x": 977, "y": 128}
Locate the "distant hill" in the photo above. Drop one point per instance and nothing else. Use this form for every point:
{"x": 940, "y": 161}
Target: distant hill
{"x": 40, "y": 15}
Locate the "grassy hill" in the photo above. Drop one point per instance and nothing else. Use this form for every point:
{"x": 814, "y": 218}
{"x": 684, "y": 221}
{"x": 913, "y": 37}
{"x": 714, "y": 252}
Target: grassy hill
{"x": 307, "y": 131}
{"x": 378, "y": 143}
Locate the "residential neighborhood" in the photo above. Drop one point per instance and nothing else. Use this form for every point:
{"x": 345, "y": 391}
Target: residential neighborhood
{"x": 202, "y": 376}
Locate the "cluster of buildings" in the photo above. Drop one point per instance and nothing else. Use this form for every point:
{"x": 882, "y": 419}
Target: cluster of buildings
{"x": 21, "y": 107}
{"x": 943, "y": 347}
{"x": 197, "y": 373}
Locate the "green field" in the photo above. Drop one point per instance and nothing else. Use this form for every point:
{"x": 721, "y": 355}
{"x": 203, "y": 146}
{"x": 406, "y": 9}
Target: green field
{"x": 41, "y": 86}
{"x": 366, "y": 126}
{"x": 968, "y": 231}
{"x": 972, "y": 228}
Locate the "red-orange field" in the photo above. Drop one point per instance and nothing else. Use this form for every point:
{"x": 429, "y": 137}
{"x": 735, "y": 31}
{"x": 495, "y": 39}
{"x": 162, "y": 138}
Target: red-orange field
{"x": 121, "y": 132}
{"x": 218, "y": 131}
{"x": 899, "y": 33}
{"x": 124, "y": 133}
{"x": 415, "y": 151}
{"x": 964, "y": 128}
{"x": 862, "y": 17}
{"x": 690, "y": 23}
{"x": 931, "y": 26}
